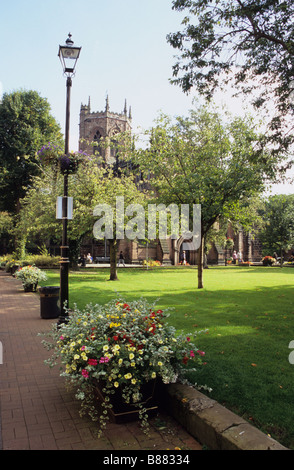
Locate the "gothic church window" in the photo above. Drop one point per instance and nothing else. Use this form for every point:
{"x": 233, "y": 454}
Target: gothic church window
{"x": 97, "y": 147}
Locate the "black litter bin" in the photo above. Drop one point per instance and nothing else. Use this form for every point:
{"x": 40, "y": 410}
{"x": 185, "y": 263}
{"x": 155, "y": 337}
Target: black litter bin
{"x": 49, "y": 302}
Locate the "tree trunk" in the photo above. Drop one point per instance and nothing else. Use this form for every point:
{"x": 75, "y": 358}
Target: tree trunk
{"x": 113, "y": 251}
{"x": 281, "y": 260}
{"x": 200, "y": 264}
{"x": 74, "y": 251}
{"x": 20, "y": 246}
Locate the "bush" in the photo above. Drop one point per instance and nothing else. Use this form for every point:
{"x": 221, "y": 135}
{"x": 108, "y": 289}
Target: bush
{"x": 151, "y": 262}
{"x": 268, "y": 261}
{"x": 43, "y": 260}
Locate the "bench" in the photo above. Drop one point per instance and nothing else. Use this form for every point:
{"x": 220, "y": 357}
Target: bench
{"x": 102, "y": 259}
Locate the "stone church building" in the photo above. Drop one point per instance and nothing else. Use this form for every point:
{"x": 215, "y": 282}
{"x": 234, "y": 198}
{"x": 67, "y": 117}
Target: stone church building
{"x": 96, "y": 125}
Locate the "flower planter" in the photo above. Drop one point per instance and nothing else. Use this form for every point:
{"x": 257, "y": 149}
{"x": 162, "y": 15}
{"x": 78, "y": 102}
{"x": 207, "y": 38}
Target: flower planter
{"x": 122, "y": 412}
{"x": 121, "y": 352}
{"x": 30, "y": 287}
{"x": 30, "y": 277}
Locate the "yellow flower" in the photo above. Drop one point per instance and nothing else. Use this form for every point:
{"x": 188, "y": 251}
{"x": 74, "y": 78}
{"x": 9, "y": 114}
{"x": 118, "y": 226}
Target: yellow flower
{"x": 159, "y": 363}
{"x": 131, "y": 356}
{"x": 153, "y": 375}
{"x": 133, "y": 364}
{"x": 133, "y": 381}
{"x": 105, "y": 348}
{"x": 120, "y": 362}
{"x": 128, "y": 376}
{"x": 76, "y": 356}
{"x": 116, "y": 384}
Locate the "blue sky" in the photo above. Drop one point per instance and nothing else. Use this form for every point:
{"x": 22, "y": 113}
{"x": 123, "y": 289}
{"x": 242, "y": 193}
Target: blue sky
{"x": 124, "y": 54}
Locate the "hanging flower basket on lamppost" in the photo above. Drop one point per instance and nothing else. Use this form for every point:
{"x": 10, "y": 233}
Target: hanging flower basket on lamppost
{"x": 53, "y": 155}
{"x": 70, "y": 163}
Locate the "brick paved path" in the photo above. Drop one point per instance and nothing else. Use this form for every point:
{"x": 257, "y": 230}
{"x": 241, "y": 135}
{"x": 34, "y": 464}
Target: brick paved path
{"x": 37, "y": 412}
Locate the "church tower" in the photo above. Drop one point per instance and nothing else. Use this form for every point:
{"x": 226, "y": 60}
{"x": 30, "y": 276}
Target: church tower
{"x": 97, "y": 125}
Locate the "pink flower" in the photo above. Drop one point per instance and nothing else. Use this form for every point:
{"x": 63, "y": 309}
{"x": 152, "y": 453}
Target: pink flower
{"x": 188, "y": 338}
{"x": 104, "y": 360}
{"x": 85, "y": 373}
{"x": 61, "y": 337}
{"x": 192, "y": 354}
{"x": 83, "y": 348}
{"x": 201, "y": 353}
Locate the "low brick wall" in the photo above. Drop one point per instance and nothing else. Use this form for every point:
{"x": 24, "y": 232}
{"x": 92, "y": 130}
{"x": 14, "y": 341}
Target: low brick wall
{"x": 212, "y": 424}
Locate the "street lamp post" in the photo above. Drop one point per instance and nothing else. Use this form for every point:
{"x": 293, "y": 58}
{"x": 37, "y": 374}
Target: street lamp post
{"x": 68, "y": 55}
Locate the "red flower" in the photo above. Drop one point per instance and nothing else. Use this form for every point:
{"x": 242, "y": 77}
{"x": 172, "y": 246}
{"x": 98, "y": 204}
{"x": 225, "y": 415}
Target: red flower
{"x": 92, "y": 362}
{"x": 185, "y": 359}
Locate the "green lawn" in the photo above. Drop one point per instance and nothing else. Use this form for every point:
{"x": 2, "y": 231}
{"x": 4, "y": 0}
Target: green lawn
{"x": 249, "y": 312}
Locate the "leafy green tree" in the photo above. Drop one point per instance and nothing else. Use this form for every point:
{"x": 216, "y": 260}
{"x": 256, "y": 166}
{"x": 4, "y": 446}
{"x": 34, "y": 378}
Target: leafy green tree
{"x": 256, "y": 38}
{"x": 122, "y": 194}
{"x": 25, "y": 125}
{"x": 202, "y": 160}
{"x": 6, "y": 231}
{"x": 89, "y": 187}
{"x": 277, "y": 234}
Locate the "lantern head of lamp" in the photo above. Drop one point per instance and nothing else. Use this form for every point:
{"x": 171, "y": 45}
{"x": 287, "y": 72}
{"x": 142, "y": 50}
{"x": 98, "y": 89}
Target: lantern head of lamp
{"x": 68, "y": 56}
